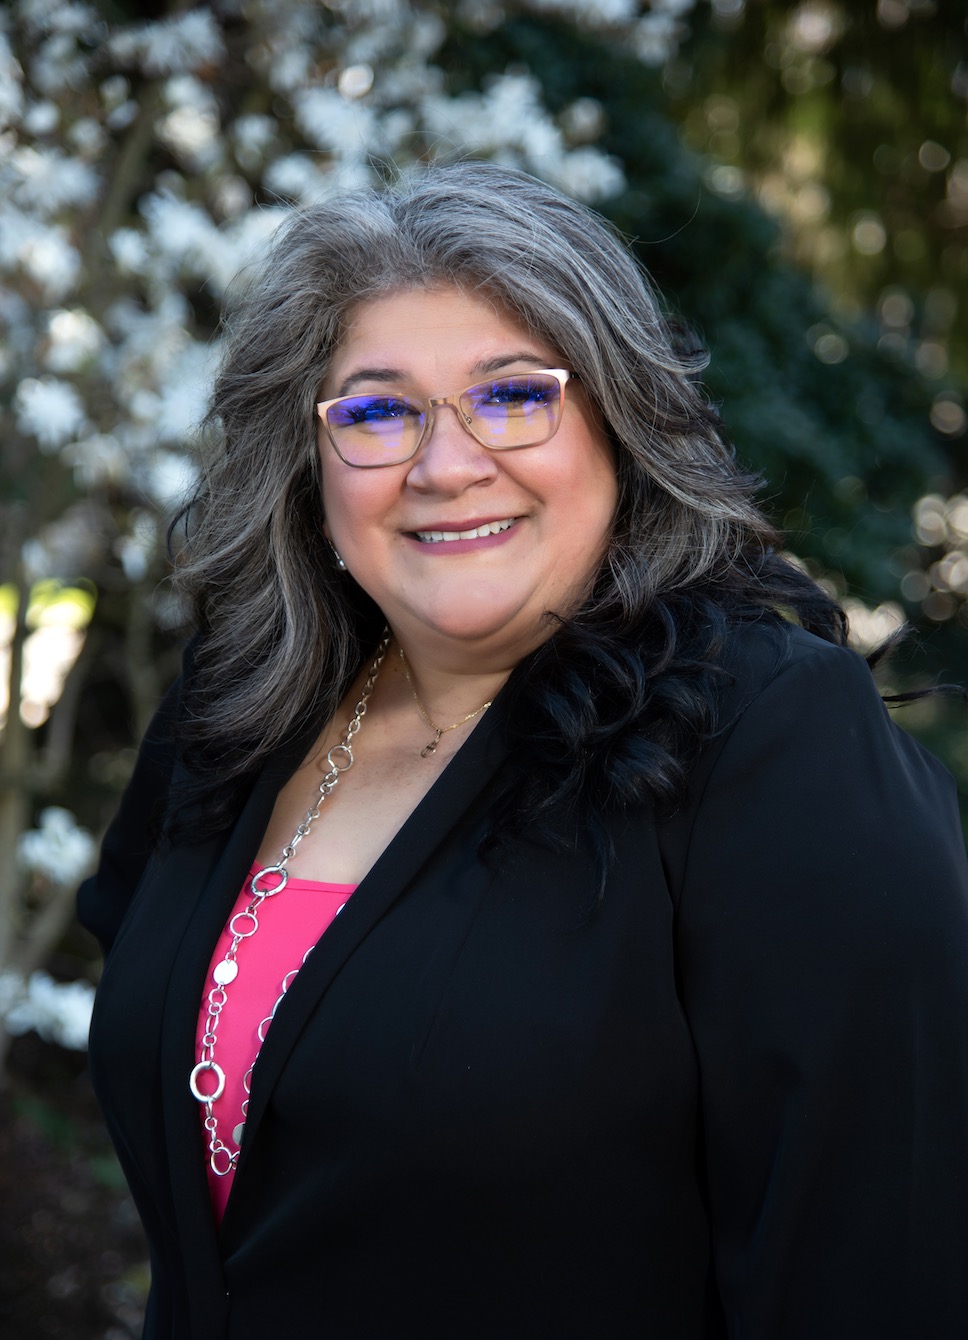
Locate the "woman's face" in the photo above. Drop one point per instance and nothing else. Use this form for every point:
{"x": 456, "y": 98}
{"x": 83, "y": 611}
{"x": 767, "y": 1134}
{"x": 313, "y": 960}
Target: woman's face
{"x": 464, "y": 599}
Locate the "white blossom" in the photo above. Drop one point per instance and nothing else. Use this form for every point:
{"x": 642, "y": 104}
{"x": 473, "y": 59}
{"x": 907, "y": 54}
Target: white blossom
{"x": 489, "y": 121}
{"x": 150, "y": 336}
{"x": 88, "y": 136}
{"x": 231, "y": 195}
{"x": 41, "y": 118}
{"x": 74, "y": 339}
{"x": 191, "y": 128}
{"x": 59, "y": 65}
{"x": 330, "y": 121}
{"x": 589, "y": 175}
{"x": 185, "y": 386}
{"x": 43, "y": 252}
{"x": 59, "y": 849}
{"x": 121, "y": 116}
{"x": 181, "y": 231}
{"x": 288, "y": 69}
{"x": 583, "y": 119}
{"x": 252, "y": 138}
{"x": 96, "y": 460}
{"x": 49, "y": 410}
{"x": 58, "y": 16}
{"x": 114, "y": 90}
{"x": 129, "y": 249}
{"x": 171, "y": 46}
{"x": 589, "y": 11}
{"x": 375, "y": 12}
{"x": 244, "y": 240}
{"x": 656, "y": 37}
{"x": 17, "y": 229}
{"x": 48, "y": 180}
{"x": 397, "y": 127}
{"x": 58, "y": 1011}
{"x": 170, "y": 479}
{"x": 297, "y": 177}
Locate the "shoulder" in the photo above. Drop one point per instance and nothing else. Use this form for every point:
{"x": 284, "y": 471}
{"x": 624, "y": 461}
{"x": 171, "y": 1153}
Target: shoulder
{"x": 807, "y": 760}
{"x": 773, "y": 655}
{"x": 786, "y": 689}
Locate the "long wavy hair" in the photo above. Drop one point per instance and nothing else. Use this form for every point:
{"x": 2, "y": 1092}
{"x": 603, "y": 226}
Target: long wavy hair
{"x": 616, "y": 702}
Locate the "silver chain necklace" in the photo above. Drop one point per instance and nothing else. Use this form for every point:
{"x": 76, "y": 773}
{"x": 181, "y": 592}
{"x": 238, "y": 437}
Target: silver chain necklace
{"x": 244, "y": 924}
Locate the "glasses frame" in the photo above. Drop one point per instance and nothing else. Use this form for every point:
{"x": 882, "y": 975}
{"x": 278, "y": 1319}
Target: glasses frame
{"x": 561, "y": 375}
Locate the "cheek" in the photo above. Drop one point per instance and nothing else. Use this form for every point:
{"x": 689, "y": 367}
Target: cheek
{"x": 592, "y": 486}
{"x": 354, "y": 501}
{"x": 335, "y": 492}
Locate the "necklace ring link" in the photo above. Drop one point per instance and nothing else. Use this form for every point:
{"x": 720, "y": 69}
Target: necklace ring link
{"x": 279, "y": 870}
{"x": 200, "y": 1069}
{"x": 344, "y": 753}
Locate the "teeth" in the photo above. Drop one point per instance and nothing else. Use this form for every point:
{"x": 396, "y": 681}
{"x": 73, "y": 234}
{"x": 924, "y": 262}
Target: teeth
{"x": 478, "y": 533}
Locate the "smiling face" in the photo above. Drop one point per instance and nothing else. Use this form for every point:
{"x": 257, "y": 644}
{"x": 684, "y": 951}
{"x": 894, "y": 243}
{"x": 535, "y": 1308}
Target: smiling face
{"x": 464, "y": 549}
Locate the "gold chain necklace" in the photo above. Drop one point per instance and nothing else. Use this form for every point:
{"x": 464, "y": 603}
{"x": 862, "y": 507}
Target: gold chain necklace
{"x": 437, "y": 730}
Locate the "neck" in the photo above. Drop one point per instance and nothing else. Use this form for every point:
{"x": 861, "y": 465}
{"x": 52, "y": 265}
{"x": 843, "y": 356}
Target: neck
{"x": 443, "y": 693}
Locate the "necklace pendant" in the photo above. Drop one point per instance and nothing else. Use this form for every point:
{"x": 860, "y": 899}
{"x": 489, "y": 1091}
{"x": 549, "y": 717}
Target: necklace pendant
{"x": 237, "y": 1133}
{"x": 432, "y": 748}
{"x": 225, "y": 972}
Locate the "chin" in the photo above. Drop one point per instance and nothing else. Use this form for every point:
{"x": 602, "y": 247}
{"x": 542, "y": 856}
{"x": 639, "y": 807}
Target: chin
{"x": 494, "y": 625}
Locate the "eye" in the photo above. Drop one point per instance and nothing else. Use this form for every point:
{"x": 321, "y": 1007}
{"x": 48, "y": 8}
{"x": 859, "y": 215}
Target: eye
{"x": 375, "y": 409}
{"x": 515, "y": 391}
{"x": 510, "y": 390}
{"x": 372, "y": 411}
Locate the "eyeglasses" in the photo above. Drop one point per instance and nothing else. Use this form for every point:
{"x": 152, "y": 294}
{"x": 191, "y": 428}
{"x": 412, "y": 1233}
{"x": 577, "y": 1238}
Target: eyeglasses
{"x": 381, "y": 428}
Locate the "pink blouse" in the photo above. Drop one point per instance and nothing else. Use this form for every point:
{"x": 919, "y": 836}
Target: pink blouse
{"x": 289, "y": 926}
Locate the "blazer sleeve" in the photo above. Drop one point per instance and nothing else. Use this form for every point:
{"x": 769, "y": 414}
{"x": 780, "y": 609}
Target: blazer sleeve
{"x": 823, "y": 942}
{"x": 103, "y": 899}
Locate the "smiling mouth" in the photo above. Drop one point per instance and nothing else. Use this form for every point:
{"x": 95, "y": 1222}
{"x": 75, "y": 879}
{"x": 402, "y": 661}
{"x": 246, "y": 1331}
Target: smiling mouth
{"x": 477, "y": 533}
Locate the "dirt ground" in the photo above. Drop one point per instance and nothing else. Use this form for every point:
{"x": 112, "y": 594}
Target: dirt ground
{"x": 73, "y": 1262}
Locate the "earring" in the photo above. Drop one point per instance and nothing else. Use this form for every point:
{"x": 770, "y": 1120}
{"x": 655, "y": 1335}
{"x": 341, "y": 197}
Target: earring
{"x": 336, "y": 554}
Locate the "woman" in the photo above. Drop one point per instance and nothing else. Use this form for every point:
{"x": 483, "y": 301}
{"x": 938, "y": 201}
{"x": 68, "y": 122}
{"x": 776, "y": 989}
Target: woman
{"x": 644, "y": 1010}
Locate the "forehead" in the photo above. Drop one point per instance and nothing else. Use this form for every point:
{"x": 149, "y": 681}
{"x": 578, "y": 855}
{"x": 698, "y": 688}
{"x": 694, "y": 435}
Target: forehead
{"x": 443, "y": 322}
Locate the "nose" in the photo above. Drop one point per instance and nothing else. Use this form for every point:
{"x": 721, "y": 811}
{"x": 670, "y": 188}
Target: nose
{"x": 450, "y": 459}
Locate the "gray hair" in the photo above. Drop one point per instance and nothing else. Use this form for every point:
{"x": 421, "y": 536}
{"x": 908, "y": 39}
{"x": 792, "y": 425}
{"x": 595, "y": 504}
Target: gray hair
{"x": 281, "y": 630}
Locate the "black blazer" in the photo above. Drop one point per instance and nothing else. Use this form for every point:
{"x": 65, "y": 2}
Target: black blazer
{"x": 732, "y": 1101}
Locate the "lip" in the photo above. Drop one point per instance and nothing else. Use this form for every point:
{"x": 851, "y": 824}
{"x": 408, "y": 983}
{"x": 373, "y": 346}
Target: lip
{"x": 465, "y": 543}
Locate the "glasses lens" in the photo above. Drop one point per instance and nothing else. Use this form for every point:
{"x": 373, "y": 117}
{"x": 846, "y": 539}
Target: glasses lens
{"x": 518, "y": 411}
{"x": 375, "y": 429}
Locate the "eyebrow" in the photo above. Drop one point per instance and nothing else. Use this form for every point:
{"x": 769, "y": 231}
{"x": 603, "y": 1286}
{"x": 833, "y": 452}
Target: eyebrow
{"x": 396, "y": 376}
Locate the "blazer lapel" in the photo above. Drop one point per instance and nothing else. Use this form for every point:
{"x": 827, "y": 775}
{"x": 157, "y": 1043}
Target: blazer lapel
{"x": 469, "y": 772}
